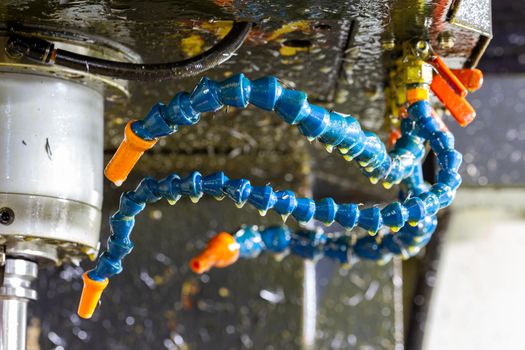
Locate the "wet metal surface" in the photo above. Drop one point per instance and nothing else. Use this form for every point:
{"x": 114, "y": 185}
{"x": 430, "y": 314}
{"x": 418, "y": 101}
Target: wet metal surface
{"x": 157, "y": 303}
{"x": 473, "y": 14}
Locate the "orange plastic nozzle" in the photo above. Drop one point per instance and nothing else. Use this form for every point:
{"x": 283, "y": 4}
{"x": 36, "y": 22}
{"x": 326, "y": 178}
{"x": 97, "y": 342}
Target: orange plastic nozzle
{"x": 221, "y": 251}
{"x": 90, "y": 295}
{"x": 458, "y": 106}
{"x": 449, "y": 76}
{"x": 471, "y": 78}
{"x": 127, "y": 155}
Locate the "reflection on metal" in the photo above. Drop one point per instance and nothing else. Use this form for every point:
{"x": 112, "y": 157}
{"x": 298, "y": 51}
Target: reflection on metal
{"x": 15, "y": 292}
{"x": 35, "y": 249}
{"x": 309, "y": 305}
{"x": 475, "y": 15}
{"x": 70, "y": 226}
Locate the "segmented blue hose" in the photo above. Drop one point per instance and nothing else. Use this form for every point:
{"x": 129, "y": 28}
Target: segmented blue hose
{"x": 415, "y": 215}
{"x": 335, "y": 130}
{"x": 315, "y": 244}
{"x": 395, "y": 215}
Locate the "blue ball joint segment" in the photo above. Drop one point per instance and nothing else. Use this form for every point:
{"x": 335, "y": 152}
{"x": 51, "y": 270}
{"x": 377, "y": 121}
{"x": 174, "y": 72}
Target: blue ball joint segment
{"x": 335, "y": 130}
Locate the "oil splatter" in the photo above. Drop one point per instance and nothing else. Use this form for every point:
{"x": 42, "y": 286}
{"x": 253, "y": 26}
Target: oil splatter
{"x": 48, "y": 150}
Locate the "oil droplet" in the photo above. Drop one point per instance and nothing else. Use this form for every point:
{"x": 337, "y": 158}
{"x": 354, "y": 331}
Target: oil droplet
{"x": 262, "y": 212}
{"x": 346, "y": 266}
{"x": 387, "y": 185}
{"x": 310, "y": 139}
{"x": 344, "y": 150}
{"x": 395, "y": 228}
{"x": 329, "y": 148}
{"x": 363, "y": 164}
{"x": 373, "y": 180}
{"x": 173, "y": 201}
{"x": 369, "y": 169}
{"x": 328, "y": 223}
{"x": 118, "y": 183}
{"x": 383, "y": 261}
{"x": 412, "y": 223}
{"x": 372, "y": 233}
{"x": 348, "y": 158}
{"x": 195, "y": 199}
{"x": 285, "y": 217}
{"x": 240, "y": 205}
{"x": 219, "y": 198}
{"x": 280, "y": 256}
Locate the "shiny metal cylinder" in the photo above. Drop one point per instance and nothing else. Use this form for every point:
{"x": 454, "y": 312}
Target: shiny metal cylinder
{"x": 51, "y": 158}
{"x": 13, "y": 327}
{"x": 15, "y": 293}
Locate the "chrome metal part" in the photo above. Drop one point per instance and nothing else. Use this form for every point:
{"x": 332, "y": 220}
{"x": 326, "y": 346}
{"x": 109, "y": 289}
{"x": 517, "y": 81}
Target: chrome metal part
{"x": 35, "y": 250}
{"x": 15, "y": 293}
{"x": 52, "y": 219}
{"x": 474, "y": 15}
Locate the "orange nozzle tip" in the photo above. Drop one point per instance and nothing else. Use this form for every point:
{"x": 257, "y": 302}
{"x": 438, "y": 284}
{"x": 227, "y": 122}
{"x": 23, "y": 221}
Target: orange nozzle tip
{"x": 452, "y": 80}
{"x": 471, "y": 78}
{"x": 90, "y": 296}
{"x": 126, "y": 156}
{"x": 458, "y": 106}
{"x": 467, "y": 118}
{"x": 201, "y": 264}
{"x": 221, "y": 251}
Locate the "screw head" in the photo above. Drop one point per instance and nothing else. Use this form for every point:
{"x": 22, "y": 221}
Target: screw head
{"x": 7, "y": 216}
{"x": 446, "y": 40}
{"x": 388, "y": 43}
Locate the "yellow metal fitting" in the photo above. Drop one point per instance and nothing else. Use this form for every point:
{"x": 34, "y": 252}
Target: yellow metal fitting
{"x": 416, "y": 72}
{"x": 417, "y": 94}
{"x": 401, "y": 95}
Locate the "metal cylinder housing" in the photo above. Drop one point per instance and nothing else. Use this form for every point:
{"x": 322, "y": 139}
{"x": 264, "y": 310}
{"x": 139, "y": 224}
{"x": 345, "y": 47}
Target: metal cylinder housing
{"x": 51, "y": 160}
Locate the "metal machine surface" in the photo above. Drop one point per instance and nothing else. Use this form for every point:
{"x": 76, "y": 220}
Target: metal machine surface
{"x": 57, "y": 123}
